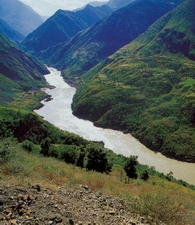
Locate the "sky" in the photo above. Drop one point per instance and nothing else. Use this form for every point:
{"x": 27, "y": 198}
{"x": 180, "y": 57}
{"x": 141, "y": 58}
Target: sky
{"x": 49, "y": 7}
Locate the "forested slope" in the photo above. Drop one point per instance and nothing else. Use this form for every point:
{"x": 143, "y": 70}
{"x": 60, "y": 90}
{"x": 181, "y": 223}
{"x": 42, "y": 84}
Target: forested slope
{"x": 18, "y": 71}
{"x": 147, "y": 88}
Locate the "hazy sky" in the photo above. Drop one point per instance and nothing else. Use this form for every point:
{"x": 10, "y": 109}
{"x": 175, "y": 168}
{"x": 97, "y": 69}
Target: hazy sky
{"x": 48, "y": 7}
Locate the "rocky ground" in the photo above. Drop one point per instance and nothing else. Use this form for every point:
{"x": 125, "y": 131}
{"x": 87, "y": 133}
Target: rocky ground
{"x": 34, "y": 205}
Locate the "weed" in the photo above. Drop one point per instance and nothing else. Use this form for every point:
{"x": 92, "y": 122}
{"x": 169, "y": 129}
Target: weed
{"x": 169, "y": 202}
{"x": 160, "y": 206}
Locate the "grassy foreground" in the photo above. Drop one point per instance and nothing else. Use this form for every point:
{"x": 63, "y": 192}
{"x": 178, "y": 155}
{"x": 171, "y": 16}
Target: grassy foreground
{"x": 159, "y": 198}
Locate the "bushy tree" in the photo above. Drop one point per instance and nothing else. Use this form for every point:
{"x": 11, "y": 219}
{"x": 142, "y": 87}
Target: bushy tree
{"x": 5, "y": 150}
{"x": 97, "y": 159}
{"x": 80, "y": 160}
{"x": 54, "y": 151}
{"x": 45, "y": 144}
{"x": 6, "y": 127}
{"x": 169, "y": 176}
{"x": 144, "y": 175}
{"x": 69, "y": 154}
{"x": 130, "y": 167}
{"x": 28, "y": 145}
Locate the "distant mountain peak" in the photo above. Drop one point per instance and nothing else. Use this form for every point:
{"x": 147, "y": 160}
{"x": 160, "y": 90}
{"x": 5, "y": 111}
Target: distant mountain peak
{"x": 19, "y": 16}
{"x": 94, "y": 4}
{"x": 105, "y": 37}
{"x": 9, "y": 32}
{"x": 62, "y": 26}
{"x": 117, "y": 4}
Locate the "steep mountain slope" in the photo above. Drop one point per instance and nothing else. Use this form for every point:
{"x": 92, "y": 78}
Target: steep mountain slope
{"x": 94, "y": 4}
{"x": 176, "y": 37}
{"x": 18, "y": 71}
{"x": 19, "y": 16}
{"x": 62, "y": 26}
{"x": 9, "y": 32}
{"x": 104, "y": 38}
{"x": 147, "y": 88}
{"x": 117, "y": 4}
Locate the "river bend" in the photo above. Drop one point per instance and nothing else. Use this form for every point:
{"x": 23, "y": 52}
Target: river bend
{"x": 58, "y": 112}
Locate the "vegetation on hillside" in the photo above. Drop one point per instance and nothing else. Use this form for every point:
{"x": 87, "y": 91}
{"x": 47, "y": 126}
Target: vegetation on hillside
{"x": 18, "y": 72}
{"x": 158, "y": 198}
{"x": 40, "y": 137}
{"x": 147, "y": 88}
{"x": 32, "y": 150}
{"x": 154, "y": 103}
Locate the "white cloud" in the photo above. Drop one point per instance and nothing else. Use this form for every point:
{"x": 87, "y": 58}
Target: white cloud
{"x": 48, "y": 7}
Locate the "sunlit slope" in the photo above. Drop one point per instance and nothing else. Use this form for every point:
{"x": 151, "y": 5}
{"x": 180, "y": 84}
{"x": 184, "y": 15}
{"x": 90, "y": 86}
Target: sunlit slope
{"x": 147, "y": 88}
{"x": 173, "y": 34}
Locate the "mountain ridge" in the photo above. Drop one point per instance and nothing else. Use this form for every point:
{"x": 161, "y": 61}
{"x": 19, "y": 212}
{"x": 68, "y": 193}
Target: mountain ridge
{"x": 9, "y": 32}
{"x": 117, "y": 4}
{"x": 19, "y": 16}
{"x": 171, "y": 39}
{"x": 93, "y": 45}
{"x": 62, "y": 26}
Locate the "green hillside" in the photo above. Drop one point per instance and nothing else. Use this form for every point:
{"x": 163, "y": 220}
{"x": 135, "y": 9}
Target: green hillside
{"x": 147, "y": 88}
{"x": 173, "y": 34}
{"x": 18, "y": 71}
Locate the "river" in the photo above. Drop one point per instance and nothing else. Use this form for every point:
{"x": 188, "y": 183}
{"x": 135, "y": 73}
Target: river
{"x": 58, "y": 112}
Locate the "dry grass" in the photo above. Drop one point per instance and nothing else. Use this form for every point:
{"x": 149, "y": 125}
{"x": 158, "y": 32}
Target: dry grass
{"x": 158, "y": 198}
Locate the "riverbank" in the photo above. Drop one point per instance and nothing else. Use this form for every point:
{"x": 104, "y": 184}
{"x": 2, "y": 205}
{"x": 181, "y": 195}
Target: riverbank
{"x": 58, "y": 112}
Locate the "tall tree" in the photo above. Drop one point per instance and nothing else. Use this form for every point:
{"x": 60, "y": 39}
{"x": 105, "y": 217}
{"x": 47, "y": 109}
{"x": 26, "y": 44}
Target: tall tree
{"x": 80, "y": 160}
{"x": 97, "y": 159}
{"x": 130, "y": 167}
{"x": 45, "y": 144}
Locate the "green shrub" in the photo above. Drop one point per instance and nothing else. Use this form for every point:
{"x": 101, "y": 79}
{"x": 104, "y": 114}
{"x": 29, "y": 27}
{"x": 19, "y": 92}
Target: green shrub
{"x": 28, "y": 145}
{"x": 45, "y": 144}
{"x": 54, "y": 151}
{"x": 69, "y": 154}
{"x": 5, "y": 150}
{"x": 144, "y": 175}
